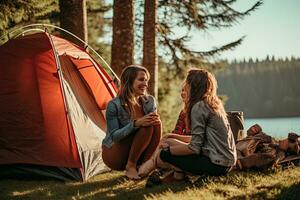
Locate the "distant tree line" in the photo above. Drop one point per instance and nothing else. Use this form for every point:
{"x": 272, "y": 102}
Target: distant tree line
{"x": 267, "y": 88}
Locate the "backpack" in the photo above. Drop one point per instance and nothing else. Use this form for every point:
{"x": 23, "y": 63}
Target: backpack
{"x": 236, "y": 121}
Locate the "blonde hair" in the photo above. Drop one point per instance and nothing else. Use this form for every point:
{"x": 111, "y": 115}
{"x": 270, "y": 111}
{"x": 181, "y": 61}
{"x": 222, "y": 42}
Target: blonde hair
{"x": 203, "y": 87}
{"x": 128, "y": 76}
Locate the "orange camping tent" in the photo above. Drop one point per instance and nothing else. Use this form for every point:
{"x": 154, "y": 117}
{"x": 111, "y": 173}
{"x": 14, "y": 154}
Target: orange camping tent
{"x": 53, "y": 96}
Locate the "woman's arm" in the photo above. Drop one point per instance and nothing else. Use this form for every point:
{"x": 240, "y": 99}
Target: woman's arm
{"x": 181, "y": 149}
{"x": 183, "y": 138}
{"x": 113, "y": 126}
{"x": 176, "y": 147}
{"x": 199, "y": 117}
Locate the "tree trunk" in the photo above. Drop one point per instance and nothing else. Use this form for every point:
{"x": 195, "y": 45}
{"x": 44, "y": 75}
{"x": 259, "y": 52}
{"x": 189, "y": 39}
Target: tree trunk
{"x": 73, "y": 18}
{"x": 123, "y": 36}
{"x": 149, "y": 45}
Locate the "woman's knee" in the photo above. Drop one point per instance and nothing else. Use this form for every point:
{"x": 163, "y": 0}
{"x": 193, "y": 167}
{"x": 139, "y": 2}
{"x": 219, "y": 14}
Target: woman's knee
{"x": 157, "y": 131}
{"x": 115, "y": 157}
{"x": 158, "y": 127}
{"x": 146, "y": 130}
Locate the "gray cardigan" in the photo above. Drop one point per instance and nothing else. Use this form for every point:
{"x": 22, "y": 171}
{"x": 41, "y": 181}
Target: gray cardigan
{"x": 212, "y": 135}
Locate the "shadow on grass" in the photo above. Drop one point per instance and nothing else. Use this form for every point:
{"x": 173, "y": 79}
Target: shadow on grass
{"x": 115, "y": 187}
{"x": 287, "y": 193}
{"x": 292, "y": 192}
{"x": 263, "y": 193}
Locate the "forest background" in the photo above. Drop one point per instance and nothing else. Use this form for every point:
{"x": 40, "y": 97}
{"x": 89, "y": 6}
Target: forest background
{"x": 259, "y": 88}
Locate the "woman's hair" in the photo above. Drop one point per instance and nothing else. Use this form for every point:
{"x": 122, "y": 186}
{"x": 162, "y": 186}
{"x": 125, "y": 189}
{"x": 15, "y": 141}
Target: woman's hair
{"x": 128, "y": 76}
{"x": 203, "y": 87}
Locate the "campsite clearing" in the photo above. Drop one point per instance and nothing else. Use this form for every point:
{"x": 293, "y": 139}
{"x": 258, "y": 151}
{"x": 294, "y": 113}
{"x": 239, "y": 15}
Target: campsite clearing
{"x": 236, "y": 185}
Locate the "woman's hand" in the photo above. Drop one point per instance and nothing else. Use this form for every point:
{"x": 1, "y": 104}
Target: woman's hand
{"x": 150, "y": 119}
{"x": 163, "y": 144}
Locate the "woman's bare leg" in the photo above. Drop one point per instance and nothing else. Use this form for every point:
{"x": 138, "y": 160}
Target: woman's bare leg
{"x": 124, "y": 155}
{"x": 140, "y": 142}
{"x": 156, "y": 162}
{"x": 156, "y": 136}
{"x": 183, "y": 138}
{"x": 174, "y": 142}
{"x": 116, "y": 157}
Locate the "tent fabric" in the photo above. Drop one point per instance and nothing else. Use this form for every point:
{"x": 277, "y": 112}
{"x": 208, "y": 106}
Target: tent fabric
{"x": 33, "y": 119}
{"x": 28, "y": 171}
{"x": 82, "y": 59}
{"x": 49, "y": 118}
{"x": 95, "y": 82}
{"x": 88, "y": 123}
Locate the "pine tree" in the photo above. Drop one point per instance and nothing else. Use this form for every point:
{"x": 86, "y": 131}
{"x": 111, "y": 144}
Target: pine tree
{"x": 18, "y": 13}
{"x": 200, "y": 15}
{"x": 149, "y": 44}
{"x": 73, "y": 18}
{"x": 98, "y": 27}
{"x": 123, "y": 36}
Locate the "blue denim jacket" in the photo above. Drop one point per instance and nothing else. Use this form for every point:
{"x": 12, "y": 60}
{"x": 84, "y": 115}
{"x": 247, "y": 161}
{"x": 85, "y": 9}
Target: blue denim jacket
{"x": 119, "y": 123}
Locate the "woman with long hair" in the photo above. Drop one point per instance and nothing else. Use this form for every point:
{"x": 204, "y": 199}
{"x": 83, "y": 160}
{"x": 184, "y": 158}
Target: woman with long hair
{"x": 133, "y": 126}
{"x": 210, "y": 149}
{"x": 180, "y": 126}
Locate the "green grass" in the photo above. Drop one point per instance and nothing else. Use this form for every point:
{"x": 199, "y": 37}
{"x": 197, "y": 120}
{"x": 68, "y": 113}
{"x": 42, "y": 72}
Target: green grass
{"x": 113, "y": 185}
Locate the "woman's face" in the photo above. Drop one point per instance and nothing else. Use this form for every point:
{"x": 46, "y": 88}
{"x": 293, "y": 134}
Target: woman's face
{"x": 140, "y": 84}
{"x": 184, "y": 92}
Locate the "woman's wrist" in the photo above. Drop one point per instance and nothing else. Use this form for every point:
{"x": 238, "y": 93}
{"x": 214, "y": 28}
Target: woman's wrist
{"x": 167, "y": 149}
{"x": 135, "y": 123}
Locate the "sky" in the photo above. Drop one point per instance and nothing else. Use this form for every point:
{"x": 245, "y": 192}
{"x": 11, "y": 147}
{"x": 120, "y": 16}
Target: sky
{"x": 273, "y": 29}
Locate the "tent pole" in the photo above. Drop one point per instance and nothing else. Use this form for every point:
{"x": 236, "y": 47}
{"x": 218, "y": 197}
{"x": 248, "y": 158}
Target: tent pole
{"x": 60, "y": 75}
{"x": 59, "y": 71}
